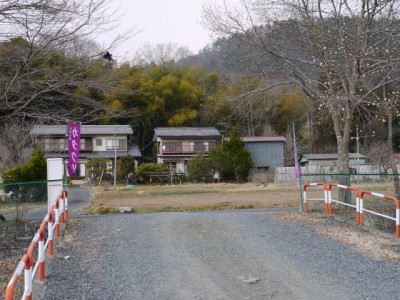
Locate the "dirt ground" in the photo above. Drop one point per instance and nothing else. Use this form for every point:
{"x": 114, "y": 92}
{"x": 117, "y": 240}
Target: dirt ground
{"x": 197, "y": 197}
{"x": 377, "y": 244}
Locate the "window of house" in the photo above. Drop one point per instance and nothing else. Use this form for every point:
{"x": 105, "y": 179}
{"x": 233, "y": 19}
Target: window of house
{"x": 83, "y": 144}
{"x": 110, "y": 144}
{"x": 205, "y": 147}
{"x": 120, "y": 144}
{"x": 187, "y": 146}
{"x": 99, "y": 142}
{"x": 54, "y": 144}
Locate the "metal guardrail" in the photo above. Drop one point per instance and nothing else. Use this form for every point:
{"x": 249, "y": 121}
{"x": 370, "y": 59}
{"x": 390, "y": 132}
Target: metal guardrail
{"x": 359, "y": 202}
{"x": 27, "y": 264}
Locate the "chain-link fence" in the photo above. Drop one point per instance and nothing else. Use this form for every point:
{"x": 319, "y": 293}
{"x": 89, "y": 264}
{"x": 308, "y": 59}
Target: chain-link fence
{"x": 24, "y": 192}
{"x": 385, "y": 184}
{"x": 17, "y": 198}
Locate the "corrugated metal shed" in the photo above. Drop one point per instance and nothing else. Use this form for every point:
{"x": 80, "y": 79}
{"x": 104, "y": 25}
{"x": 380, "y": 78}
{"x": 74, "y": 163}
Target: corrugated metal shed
{"x": 85, "y": 129}
{"x": 264, "y": 139}
{"x": 185, "y": 132}
{"x": 266, "y": 151}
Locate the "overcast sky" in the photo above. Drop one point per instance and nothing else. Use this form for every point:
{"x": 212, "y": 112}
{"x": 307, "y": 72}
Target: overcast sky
{"x": 161, "y": 22}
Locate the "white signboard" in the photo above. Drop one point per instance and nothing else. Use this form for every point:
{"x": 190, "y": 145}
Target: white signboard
{"x": 55, "y": 171}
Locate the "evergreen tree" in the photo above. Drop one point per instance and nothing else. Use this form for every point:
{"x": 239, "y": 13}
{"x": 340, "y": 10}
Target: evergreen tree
{"x": 234, "y": 159}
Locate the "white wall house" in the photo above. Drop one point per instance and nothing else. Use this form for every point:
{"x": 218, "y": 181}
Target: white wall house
{"x": 177, "y": 145}
{"x": 97, "y": 141}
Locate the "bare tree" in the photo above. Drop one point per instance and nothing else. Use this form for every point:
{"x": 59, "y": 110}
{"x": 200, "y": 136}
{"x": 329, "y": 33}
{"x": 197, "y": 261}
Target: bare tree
{"x": 15, "y": 138}
{"x": 340, "y": 52}
{"x": 160, "y": 54}
{"x": 45, "y": 57}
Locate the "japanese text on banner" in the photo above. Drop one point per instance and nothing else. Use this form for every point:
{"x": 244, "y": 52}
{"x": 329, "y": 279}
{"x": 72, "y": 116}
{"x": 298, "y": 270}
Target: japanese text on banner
{"x": 74, "y": 138}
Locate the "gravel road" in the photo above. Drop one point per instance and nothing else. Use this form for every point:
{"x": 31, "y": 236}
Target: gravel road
{"x": 210, "y": 255}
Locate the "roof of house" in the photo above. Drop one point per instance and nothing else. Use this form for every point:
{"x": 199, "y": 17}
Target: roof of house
{"x": 250, "y": 139}
{"x": 85, "y": 129}
{"x": 328, "y": 156}
{"x": 186, "y": 132}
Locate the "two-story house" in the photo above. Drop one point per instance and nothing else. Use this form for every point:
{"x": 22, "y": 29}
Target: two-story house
{"x": 177, "y": 145}
{"x": 97, "y": 141}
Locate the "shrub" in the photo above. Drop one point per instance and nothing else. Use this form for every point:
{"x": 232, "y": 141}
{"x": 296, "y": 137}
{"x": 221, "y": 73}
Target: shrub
{"x": 126, "y": 167}
{"x": 35, "y": 169}
{"x": 200, "y": 169}
{"x": 148, "y": 172}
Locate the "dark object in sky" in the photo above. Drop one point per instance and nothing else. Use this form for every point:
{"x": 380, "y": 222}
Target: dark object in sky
{"x": 2, "y": 218}
{"x": 108, "y": 56}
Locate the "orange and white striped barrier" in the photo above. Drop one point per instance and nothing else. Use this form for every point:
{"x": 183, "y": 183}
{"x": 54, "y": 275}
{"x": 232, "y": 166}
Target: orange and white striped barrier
{"x": 26, "y": 262}
{"x": 65, "y": 193}
{"x": 390, "y": 198}
{"x": 348, "y": 188}
{"x": 305, "y": 199}
{"x": 24, "y": 265}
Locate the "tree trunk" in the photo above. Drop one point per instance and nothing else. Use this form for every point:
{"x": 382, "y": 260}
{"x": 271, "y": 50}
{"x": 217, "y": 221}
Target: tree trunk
{"x": 342, "y": 132}
{"x": 392, "y": 160}
{"x": 342, "y": 124}
{"x": 393, "y": 164}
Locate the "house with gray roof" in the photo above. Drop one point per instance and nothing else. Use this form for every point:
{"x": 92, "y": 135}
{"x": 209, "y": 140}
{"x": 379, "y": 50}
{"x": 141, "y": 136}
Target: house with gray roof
{"x": 97, "y": 141}
{"x": 329, "y": 159}
{"x": 177, "y": 145}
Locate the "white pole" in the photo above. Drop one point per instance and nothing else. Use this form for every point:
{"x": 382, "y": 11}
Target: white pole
{"x": 115, "y": 160}
{"x": 358, "y": 147}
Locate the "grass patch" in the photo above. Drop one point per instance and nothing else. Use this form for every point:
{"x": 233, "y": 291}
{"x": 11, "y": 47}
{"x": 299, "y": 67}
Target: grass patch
{"x": 104, "y": 209}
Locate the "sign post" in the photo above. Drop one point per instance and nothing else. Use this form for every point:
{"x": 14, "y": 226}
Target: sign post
{"x": 55, "y": 170}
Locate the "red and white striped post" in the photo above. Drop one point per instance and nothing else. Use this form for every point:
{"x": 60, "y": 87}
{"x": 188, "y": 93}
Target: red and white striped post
{"x": 41, "y": 251}
{"x": 24, "y": 265}
{"x": 394, "y": 199}
{"x": 325, "y": 199}
{"x": 57, "y": 217}
{"x": 348, "y": 188}
{"x": 62, "y": 208}
{"x": 50, "y": 232}
{"x": 66, "y": 205}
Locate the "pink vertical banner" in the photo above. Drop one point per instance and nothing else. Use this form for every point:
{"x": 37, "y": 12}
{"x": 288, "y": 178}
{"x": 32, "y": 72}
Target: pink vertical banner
{"x": 297, "y": 167}
{"x": 74, "y": 144}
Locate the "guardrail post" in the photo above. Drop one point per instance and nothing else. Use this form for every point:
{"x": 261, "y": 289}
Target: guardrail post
{"x": 50, "y": 233}
{"x": 41, "y": 254}
{"x": 28, "y": 279}
{"x": 14, "y": 279}
{"x": 66, "y": 205}
{"x": 397, "y": 223}
{"x": 305, "y": 204}
{"x": 62, "y": 208}
{"x": 361, "y": 214}
{"x": 326, "y": 200}
{"x": 57, "y": 217}
{"x": 330, "y": 200}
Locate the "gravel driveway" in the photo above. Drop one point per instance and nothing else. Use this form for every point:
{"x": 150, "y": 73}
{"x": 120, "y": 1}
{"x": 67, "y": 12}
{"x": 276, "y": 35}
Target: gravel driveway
{"x": 211, "y": 255}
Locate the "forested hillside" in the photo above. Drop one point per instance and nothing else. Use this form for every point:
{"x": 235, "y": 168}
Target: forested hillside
{"x": 325, "y": 75}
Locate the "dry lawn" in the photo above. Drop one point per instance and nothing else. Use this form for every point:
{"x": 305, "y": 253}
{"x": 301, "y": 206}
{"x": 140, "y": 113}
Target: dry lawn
{"x": 196, "y": 197}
